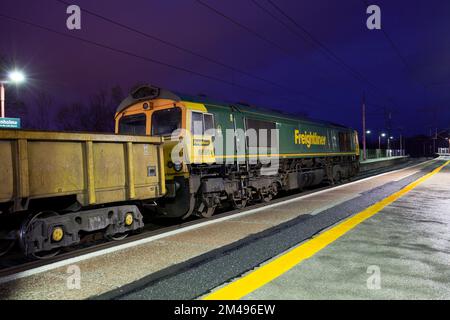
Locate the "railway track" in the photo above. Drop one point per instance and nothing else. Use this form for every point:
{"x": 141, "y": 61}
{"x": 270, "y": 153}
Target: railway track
{"x": 16, "y": 263}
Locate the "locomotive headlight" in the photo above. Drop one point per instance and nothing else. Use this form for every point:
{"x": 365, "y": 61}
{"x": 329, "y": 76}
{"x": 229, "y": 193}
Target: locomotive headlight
{"x": 178, "y": 166}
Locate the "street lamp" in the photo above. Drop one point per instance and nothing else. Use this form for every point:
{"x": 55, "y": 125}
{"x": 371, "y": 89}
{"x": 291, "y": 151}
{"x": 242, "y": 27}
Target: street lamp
{"x": 364, "y": 144}
{"x": 379, "y": 139}
{"x": 388, "y": 142}
{"x": 15, "y": 77}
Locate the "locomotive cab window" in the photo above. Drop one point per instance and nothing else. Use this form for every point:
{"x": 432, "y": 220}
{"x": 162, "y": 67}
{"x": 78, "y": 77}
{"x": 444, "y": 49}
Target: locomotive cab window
{"x": 201, "y": 122}
{"x": 166, "y": 121}
{"x": 208, "y": 121}
{"x": 257, "y": 125}
{"x": 133, "y": 124}
{"x": 345, "y": 143}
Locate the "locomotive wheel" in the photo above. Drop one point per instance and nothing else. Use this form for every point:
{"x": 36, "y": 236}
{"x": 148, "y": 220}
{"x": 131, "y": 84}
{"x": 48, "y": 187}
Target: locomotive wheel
{"x": 274, "y": 189}
{"x": 26, "y": 228}
{"x": 238, "y": 202}
{"x": 207, "y": 212}
{"x": 266, "y": 197}
{"x": 191, "y": 207}
{"x": 338, "y": 178}
{"x": 5, "y": 246}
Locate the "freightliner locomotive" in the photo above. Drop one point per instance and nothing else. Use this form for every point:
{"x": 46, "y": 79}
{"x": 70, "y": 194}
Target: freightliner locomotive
{"x": 210, "y": 175}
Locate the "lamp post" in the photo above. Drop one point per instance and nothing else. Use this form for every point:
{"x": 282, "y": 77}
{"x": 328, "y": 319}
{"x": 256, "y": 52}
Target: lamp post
{"x": 15, "y": 77}
{"x": 390, "y": 152}
{"x": 401, "y": 144}
{"x": 388, "y": 142}
{"x": 379, "y": 139}
{"x": 2, "y": 98}
{"x": 364, "y": 126}
{"x": 366, "y": 133}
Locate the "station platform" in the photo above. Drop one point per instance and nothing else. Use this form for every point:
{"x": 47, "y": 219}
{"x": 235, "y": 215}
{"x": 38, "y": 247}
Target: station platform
{"x": 379, "y": 163}
{"x": 405, "y": 243}
{"x": 383, "y": 159}
{"x": 402, "y": 252}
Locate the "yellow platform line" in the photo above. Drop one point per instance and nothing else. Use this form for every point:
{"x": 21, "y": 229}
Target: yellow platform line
{"x": 268, "y": 272}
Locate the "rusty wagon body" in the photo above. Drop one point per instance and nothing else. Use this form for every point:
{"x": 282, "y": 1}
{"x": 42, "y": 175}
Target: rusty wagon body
{"x": 62, "y": 184}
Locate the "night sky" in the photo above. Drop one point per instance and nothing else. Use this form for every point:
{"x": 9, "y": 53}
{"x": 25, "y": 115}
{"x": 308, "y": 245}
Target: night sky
{"x": 320, "y": 60}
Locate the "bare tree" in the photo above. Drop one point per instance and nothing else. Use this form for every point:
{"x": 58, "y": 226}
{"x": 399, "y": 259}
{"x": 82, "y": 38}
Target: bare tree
{"x": 96, "y": 116}
{"x": 102, "y": 109}
{"x": 117, "y": 96}
{"x": 43, "y": 116}
{"x": 70, "y": 118}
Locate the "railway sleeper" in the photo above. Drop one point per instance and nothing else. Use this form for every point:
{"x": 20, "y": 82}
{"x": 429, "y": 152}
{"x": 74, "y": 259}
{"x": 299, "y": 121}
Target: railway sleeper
{"x": 48, "y": 231}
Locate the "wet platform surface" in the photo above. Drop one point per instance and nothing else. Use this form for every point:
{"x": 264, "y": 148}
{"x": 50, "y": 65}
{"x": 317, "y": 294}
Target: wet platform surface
{"x": 189, "y": 264}
{"x": 402, "y": 252}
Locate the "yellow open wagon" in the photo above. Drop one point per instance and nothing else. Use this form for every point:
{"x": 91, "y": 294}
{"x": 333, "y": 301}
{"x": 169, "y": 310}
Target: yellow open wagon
{"x": 60, "y": 185}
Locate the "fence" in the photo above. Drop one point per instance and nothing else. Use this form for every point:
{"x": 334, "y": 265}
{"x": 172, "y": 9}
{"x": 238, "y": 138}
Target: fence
{"x": 382, "y": 153}
{"x": 443, "y": 151}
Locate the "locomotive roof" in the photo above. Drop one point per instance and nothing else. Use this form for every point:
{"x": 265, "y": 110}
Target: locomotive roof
{"x": 148, "y": 92}
{"x": 144, "y": 93}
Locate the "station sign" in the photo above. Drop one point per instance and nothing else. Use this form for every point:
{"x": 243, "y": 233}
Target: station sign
{"x": 10, "y": 123}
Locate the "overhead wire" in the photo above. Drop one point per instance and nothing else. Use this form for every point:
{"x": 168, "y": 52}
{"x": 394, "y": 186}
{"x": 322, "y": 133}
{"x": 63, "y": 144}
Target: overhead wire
{"x": 196, "y": 54}
{"x": 141, "y": 57}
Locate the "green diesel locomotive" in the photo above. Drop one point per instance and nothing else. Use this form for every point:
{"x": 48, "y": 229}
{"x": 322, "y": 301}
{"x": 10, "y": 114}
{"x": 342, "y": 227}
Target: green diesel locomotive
{"x": 219, "y": 154}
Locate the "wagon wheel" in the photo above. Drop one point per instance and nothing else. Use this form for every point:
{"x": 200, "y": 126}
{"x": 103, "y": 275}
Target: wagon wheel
{"x": 117, "y": 237}
{"x": 26, "y": 227}
{"x": 6, "y": 245}
{"x": 128, "y": 220}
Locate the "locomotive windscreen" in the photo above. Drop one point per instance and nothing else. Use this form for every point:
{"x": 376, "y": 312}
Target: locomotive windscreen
{"x": 165, "y": 121}
{"x": 132, "y": 124}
